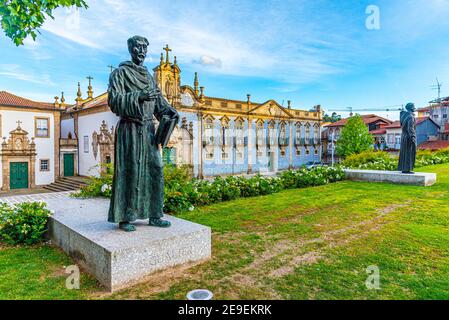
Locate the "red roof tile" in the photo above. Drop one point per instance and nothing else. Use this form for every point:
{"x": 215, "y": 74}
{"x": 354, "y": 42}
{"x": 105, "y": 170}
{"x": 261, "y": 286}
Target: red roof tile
{"x": 367, "y": 119}
{"x": 434, "y": 145}
{"x": 394, "y": 125}
{"x": 9, "y": 99}
{"x": 378, "y": 131}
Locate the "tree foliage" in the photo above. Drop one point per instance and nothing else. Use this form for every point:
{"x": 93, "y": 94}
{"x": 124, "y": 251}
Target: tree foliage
{"x": 23, "y": 18}
{"x": 332, "y": 118}
{"x": 354, "y": 138}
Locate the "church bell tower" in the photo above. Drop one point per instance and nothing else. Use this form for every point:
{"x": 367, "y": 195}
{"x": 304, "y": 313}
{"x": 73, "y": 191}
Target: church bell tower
{"x": 168, "y": 77}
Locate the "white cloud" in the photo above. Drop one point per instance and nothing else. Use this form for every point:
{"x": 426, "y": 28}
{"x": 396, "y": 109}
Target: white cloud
{"x": 16, "y": 72}
{"x": 208, "y": 61}
{"x": 208, "y": 40}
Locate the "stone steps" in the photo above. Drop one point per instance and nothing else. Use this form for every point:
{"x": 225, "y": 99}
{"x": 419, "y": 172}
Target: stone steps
{"x": 66, "y": 184}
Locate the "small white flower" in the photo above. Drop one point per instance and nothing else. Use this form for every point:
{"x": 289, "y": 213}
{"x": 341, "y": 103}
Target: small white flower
{"x": 191, "y": 208}
{"x": 104, "y": 187}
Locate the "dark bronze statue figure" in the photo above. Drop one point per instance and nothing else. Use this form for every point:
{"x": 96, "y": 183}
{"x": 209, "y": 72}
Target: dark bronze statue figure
{"x": 407, "y": 154}
{"x": 138, "y": 184}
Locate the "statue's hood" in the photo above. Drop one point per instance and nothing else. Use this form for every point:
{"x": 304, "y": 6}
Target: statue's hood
{"x": 132, "y": 65}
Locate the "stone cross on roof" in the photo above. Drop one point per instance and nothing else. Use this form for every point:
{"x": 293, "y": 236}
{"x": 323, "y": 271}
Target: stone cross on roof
{"x": 167, "y": 50}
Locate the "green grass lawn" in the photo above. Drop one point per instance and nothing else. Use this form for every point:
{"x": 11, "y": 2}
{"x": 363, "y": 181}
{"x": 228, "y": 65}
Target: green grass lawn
{"x": 313, "y": 243}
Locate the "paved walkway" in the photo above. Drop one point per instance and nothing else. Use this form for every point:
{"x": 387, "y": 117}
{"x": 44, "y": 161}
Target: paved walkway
{"x": 35, "y": 197}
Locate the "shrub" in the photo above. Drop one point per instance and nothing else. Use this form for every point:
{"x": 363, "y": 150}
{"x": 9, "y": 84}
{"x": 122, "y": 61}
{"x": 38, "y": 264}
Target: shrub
{"x": 184, "y": 194}
{"x": 372, "y": 160}
{"x": 24, "y": 223}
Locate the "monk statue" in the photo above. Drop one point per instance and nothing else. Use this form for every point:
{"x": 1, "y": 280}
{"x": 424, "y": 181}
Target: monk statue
{"x": 138, "y": 183}
{"x": 407, "y": 154}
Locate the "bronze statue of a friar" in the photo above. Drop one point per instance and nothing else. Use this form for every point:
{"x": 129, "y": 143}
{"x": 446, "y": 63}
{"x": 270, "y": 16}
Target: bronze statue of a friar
{"x": 138, "y": 183}
{"x": 407, "y": 153}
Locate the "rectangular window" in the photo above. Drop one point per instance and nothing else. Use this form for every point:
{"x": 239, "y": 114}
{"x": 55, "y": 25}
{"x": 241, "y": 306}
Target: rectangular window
{"x": 298, "y": 152}
{"x": 445, "y": 116}
{"x": 41, "y": 127}
{"x": 44, "y": 165}
{"x": 86, "y": 144}
{"x": 316, "y": 151}
{"x": 391, "y": 138}
{"x": 239, "y": 155}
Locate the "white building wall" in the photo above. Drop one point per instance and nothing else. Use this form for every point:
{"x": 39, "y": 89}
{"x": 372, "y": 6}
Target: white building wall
{"x": 88, "y": 164}
{"x": 44, "y": 146}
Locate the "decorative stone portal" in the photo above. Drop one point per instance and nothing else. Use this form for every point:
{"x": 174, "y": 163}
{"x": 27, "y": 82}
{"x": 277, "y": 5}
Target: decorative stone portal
{"x": 19, "y": 155}
{"x": 103, "y": 142}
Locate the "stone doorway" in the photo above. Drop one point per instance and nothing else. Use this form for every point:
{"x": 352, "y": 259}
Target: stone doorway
{"x": 18, "y": 160}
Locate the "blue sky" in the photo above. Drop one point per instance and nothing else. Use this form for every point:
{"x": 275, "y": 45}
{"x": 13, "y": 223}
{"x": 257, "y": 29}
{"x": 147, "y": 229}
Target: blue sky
{"x": 310, "y": 52}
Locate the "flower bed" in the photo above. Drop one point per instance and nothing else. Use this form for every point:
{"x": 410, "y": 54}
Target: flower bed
{"x": 24, "y": 223}
{"x": 184, "y": 194}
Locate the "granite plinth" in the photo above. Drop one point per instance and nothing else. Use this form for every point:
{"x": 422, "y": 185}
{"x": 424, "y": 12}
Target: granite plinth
{"x": 418, "y": 178}
{"x": 117, "y": 258}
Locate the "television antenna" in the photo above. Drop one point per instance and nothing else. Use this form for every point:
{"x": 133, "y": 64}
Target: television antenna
{"x": 438, "y": 88}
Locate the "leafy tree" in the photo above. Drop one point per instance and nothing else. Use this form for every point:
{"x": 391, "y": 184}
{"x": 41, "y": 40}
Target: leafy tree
{"x": 354, "y": 138}
{"x": 22, "y": 18}
{"x": 332, "y": 118}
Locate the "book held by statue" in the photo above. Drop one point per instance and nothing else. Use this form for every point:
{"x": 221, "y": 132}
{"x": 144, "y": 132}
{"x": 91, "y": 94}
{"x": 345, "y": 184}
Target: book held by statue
{"x": 164, "y": 130}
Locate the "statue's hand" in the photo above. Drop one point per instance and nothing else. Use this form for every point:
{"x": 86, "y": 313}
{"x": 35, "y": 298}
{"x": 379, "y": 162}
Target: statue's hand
{"x": 147, "y": 95}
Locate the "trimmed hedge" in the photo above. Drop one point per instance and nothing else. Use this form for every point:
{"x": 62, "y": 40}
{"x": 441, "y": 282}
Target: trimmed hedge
{"x": 184, "y": 194}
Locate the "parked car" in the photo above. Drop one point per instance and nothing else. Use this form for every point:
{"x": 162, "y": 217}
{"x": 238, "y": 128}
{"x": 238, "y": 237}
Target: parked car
{"x": 313, "y": 164}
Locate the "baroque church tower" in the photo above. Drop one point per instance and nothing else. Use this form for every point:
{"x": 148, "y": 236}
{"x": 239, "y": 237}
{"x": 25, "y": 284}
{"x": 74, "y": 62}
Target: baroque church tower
{"x": 168, "y": 77}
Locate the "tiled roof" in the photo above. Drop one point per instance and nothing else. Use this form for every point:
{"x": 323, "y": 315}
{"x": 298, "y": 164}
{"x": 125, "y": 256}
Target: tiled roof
{"x": 9, "y": 99}
{"x": 421, "y": 119}
{"x": 367, "y": 119}
{"x": 378, "y": 131}
{"x": 394, "y": 125}
{"x": 434, "y": 145}
{"x": 397, "y": 124}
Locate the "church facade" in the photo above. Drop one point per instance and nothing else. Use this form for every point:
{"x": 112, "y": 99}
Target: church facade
{"x": 29, "y": 152}
{"x": 216, "y": 136}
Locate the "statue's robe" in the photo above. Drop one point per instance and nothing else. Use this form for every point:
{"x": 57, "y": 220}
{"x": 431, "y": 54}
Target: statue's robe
{"x": 138, "y": 183}
{"x": 407, "y": 154}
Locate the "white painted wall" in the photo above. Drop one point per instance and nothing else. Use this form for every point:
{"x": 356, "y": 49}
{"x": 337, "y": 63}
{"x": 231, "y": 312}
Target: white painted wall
{"x": 86, "y": 126}
{"x": 44, "y": 146}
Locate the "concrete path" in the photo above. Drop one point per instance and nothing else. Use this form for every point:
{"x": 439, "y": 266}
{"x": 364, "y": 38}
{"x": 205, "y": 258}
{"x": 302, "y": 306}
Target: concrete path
{"x": 35, "y": 197}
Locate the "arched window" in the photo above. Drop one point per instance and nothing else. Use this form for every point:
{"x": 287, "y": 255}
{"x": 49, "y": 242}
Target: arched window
{"x": 209, "y": 131}
{"x": 271, "y": 138}
{"x": 239, "y": 135}
{"x": 307, "y": 137}
{"x": 259, "y": 137}
{"x": 225, "y": 137}
{"x": 283, "y": 134}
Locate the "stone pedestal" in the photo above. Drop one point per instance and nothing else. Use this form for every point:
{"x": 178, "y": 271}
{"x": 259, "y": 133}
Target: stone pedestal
{"x": 117, "y": 258}
{"x": 419, "y": 178}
